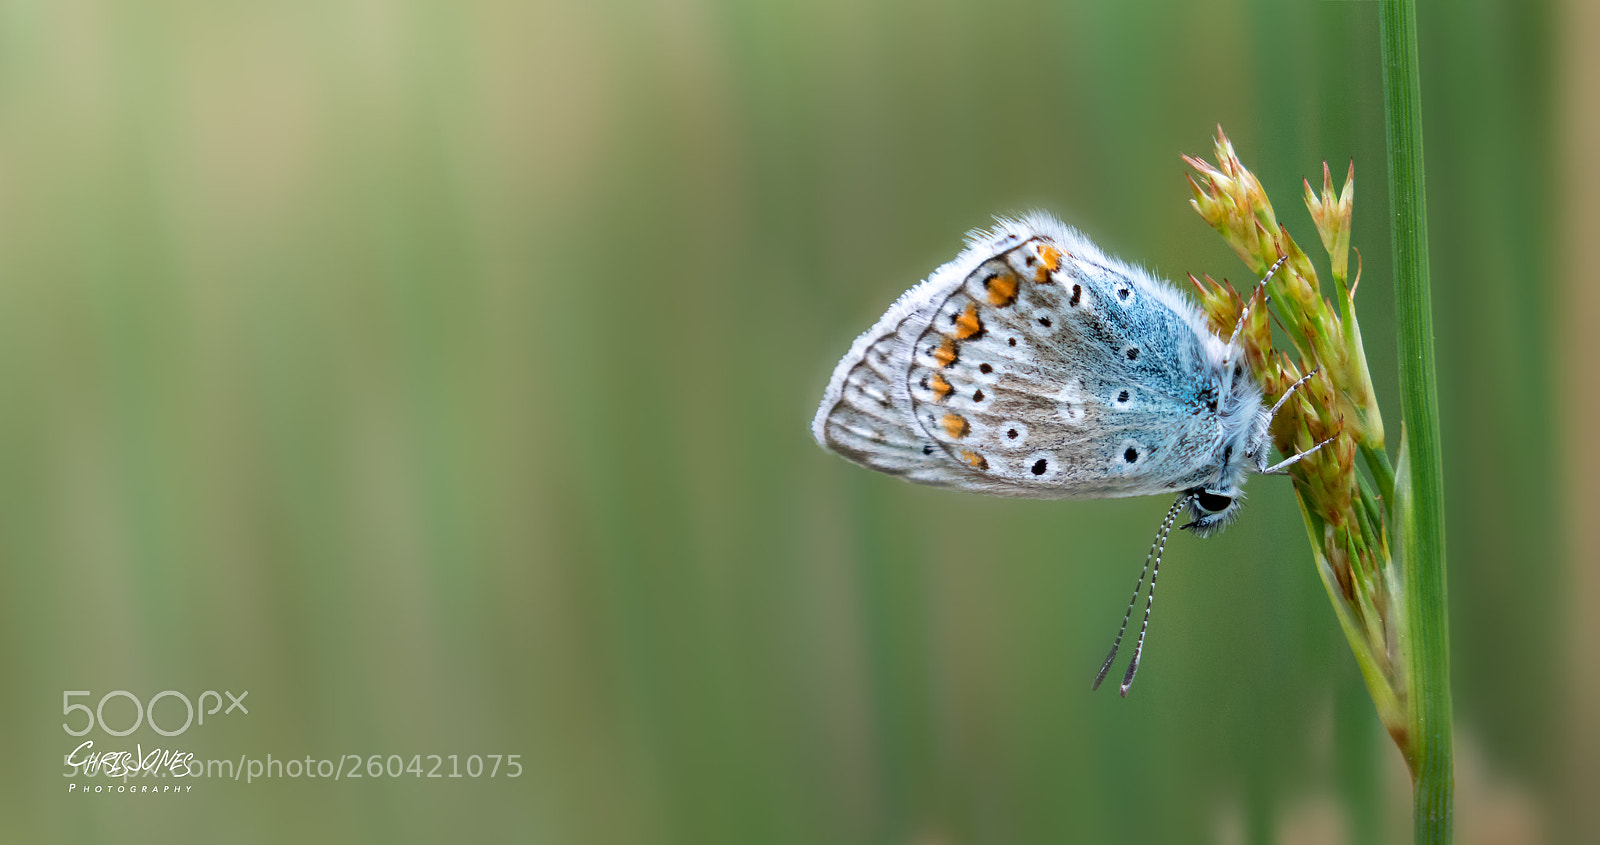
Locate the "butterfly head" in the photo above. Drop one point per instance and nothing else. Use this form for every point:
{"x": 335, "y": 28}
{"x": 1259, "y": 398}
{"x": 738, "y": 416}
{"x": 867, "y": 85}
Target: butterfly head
{"x": 1211, "y": 509}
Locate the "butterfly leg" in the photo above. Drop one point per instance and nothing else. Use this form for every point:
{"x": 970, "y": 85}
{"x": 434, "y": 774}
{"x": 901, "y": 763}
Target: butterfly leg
{"x": 1290, "y": 392}
{"x": 1245, "y": 312}
{"x": 1279, "y": 467}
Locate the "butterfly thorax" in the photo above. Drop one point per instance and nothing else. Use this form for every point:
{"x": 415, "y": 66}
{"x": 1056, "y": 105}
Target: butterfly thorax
{"x": 1242, "y": 446}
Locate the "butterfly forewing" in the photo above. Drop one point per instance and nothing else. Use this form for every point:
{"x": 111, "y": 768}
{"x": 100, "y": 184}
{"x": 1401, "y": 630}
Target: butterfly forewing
{"x": 1023, "y": 368}
{"x": 1031, "y": 375}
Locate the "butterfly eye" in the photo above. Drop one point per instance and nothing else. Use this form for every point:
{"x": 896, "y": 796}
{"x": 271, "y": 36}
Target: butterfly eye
{"x": 1212, "y": 502}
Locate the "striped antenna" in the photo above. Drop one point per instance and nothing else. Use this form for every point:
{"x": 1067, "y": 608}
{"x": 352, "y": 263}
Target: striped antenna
{"x": 1156, "y": 549}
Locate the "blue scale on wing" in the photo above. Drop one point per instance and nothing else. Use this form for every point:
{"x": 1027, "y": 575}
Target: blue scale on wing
{"x": 1079, "y": 384}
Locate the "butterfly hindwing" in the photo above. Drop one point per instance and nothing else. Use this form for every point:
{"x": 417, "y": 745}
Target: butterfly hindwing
{"x": 868, "y": 420}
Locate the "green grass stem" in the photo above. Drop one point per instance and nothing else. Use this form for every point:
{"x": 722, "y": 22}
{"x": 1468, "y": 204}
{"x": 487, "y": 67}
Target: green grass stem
{"x": 1420, "y": 479}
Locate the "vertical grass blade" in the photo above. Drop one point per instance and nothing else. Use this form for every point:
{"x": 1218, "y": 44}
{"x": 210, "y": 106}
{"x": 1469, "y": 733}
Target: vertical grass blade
{"x": 1422, "y": 510}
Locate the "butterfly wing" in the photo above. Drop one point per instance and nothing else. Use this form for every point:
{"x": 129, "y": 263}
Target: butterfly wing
{"x": 866, "y": 414}
{"x": 1036, "y": 367}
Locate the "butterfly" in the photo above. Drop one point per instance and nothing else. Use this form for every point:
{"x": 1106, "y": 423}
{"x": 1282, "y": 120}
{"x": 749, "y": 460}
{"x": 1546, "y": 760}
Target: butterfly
{"x": 1036, "y": 366}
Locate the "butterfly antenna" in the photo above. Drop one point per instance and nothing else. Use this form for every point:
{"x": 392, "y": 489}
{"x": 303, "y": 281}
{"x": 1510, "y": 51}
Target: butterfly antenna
{"x": 1245, "y": 311}
{"x": 1156, "y": 549}
{"x": 1138, "y": 588}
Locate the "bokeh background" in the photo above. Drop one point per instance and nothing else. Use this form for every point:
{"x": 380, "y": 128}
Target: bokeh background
{"x": 440, "y": 373}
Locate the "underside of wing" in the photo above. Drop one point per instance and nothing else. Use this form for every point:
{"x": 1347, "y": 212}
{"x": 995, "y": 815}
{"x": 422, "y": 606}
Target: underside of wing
{"x": 866, "y": 412}
{"x": 1055, "y": 372}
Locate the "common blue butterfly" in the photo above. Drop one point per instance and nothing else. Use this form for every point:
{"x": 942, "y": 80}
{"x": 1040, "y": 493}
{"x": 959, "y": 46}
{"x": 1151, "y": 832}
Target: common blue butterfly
{"x": 1036, "y": 366}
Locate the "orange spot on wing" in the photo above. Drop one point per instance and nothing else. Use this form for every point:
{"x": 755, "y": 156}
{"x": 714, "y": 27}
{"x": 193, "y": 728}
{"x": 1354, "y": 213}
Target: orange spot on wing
{"x": 940, "y": 387}
{"x": 967, "y": 325}
{"x": 1050, "y": 261}
{"x": 955, "y": 425}
{"x": 1002, "y": 288}
{"x": 945, "y": 354}
{"x": 973, "y": 459}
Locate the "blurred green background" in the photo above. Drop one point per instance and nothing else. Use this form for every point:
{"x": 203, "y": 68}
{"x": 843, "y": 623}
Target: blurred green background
{"x": 440, "y": 373}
